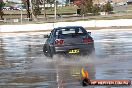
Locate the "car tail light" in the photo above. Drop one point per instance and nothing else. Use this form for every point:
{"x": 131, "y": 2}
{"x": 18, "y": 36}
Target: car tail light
{"x": 87, "y": 40}
{"x": 59, "y": 41}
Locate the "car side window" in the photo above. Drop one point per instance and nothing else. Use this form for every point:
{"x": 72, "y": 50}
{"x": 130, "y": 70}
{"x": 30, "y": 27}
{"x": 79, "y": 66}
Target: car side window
{"x": 51, "y": 34}
{"x": 50, "y": 37}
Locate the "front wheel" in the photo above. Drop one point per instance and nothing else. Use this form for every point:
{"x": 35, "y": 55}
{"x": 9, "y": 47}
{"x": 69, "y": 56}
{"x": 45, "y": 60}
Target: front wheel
{"x": 50, "y": 53}
{"x": 45, "y": 50}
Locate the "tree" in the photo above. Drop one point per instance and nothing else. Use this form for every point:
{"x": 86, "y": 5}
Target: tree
{"x": 67, "y": 2}
{"x": 1, "y": 9}
{"x": 50, "y": 2}
{"x": 27, "y": 5}
{"x": 95, "y": 9}
{"x": 36, "y": 8}
{"x": 43, "y": 2}
{"x": 86, "y": 6}
{"x": 108, "y": 7}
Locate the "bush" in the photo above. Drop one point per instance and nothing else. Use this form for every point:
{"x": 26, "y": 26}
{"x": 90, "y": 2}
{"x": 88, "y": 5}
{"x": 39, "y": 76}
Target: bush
{"x": 107, "y": 7}
{"x": 95, "y": 9}
{"x": 2, "y": 4}
{"x": 86, "y": 6}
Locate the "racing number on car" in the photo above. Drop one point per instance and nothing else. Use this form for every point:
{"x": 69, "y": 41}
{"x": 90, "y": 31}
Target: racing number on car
{"x": 74, "y": 51}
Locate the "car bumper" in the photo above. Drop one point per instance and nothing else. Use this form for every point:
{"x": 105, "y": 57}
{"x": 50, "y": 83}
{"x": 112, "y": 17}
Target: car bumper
{"x": 83, "y": 48}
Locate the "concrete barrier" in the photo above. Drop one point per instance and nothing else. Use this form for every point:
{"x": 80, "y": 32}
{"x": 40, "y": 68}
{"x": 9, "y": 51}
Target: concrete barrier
{"x": 50, "y": 26}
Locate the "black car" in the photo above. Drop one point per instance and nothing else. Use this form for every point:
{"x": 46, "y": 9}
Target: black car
{"x": 70, "y": 40}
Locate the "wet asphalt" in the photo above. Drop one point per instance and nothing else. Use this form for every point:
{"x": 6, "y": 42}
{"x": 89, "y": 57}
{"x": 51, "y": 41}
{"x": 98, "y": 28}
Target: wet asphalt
{"x": 23, "y": 65}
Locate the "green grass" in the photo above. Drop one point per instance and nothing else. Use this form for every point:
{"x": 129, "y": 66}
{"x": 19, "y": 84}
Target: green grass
{"x": 129, "y": 7}
{"x": 123, "y": 9}
{"x": 12, "y": 12}
{"x": 66, "y": 9}
{"x": 72, "y": 19}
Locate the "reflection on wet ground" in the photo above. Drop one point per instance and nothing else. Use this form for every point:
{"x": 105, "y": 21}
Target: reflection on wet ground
{"x": 23, "y": 65}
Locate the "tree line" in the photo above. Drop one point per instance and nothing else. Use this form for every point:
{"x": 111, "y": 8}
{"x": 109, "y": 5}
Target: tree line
{"x": 86, "y": 6}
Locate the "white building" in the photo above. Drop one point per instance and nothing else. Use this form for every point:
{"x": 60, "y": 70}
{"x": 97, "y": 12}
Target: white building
{"x": 18, "y": 1}
{"x": 5, "y": 1}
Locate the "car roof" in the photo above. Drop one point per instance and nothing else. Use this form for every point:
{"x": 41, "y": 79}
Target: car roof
{"x": 68, "y": 27}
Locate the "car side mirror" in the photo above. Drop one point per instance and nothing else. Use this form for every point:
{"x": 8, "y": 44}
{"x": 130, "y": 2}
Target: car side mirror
{"x": 46, "y": 36}
{"x": 89, "y": 33}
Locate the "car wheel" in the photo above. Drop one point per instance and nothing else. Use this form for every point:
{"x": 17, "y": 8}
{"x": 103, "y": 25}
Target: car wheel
{"x": 50, "y": 53}
{"x": 45, "y": 50}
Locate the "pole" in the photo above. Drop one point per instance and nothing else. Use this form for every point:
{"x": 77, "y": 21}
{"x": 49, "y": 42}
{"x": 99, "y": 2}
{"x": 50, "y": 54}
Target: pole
{"x": 44, "y": 9}
{"x": 21, "y": 12}
{"x": 55, "y": 9}
{"x": 126, "y": 8}
{"x": 21, "y": 15}
{"x": 31, "y": 6}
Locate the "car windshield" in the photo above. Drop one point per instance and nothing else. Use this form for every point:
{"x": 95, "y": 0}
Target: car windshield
{"x": 70, "y": 32}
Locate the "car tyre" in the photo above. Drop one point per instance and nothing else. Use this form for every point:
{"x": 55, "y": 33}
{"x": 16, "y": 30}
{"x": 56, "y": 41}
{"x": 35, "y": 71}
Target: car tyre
{"x": 50, "y": 54}
{"x": 45, "y": 50}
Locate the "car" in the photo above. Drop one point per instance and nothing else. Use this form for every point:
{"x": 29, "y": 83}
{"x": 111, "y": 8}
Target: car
{"x": 17, "y": 8}
{"x": 69, "y": 40}
{"x": 6, "y": 8}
